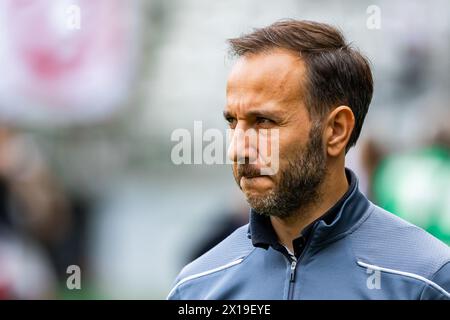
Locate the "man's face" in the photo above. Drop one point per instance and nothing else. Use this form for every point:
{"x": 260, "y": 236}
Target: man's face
{"x": 265, "y": 91}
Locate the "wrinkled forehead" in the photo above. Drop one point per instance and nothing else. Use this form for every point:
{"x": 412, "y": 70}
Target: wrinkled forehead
{"x": 276, "y": 76}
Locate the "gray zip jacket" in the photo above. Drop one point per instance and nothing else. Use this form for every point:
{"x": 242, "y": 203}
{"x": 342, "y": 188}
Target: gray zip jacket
{"x": 364, "y": 253}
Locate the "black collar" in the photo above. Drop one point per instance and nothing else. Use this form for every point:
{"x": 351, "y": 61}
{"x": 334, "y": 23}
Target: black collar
{"x": 263, "y": 235}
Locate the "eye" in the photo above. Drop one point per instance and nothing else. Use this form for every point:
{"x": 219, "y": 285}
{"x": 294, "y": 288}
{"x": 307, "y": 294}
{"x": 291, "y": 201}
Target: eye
{"x": 264, "y": 121}
{"x": 231, "y": 122}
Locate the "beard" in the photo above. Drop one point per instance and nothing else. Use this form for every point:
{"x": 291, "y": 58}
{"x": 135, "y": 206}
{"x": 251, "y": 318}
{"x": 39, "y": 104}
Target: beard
{"x": 298, "y": 186}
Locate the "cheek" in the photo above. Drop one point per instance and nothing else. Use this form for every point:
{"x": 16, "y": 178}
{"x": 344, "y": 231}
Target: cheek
{"x": 290, "y": 151}
{"x": 292, "y": 145}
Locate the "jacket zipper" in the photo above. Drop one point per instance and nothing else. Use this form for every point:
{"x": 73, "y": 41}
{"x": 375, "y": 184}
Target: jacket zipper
{"x": 292, "y": 277}
{"x": 293, "y": 265}
{"x": 294, "y": 262}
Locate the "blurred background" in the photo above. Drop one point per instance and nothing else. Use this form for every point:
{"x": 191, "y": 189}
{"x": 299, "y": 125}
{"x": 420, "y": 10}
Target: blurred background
{"x": 91, "y": 91}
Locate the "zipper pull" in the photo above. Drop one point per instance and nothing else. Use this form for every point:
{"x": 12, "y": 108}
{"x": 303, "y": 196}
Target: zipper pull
{"x": 293, "y": 265}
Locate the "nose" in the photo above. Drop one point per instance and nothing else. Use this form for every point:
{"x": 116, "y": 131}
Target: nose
{"x": 243, "y": 146}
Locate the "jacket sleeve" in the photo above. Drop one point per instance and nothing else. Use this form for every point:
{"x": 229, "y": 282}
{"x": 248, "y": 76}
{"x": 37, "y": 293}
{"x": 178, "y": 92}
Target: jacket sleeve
{"x": 439, "y": 287}
{"x": 174, "y": 295}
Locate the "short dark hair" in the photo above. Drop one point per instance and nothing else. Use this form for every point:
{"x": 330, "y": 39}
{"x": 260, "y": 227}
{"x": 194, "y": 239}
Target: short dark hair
{"x": 337, "y": 74}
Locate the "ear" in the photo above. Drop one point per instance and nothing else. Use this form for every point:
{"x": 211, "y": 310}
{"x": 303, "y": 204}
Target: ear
{"x": 339, "y": 127}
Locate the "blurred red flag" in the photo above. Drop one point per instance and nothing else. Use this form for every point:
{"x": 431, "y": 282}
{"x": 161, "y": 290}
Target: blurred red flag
{"x": 66, "y": 61}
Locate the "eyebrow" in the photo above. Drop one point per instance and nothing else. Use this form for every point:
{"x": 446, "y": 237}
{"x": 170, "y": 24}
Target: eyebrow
{"x": 254, "y": 114}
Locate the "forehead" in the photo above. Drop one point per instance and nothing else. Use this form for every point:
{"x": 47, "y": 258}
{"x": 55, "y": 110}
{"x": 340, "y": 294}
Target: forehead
{"x": 274, "y": 77}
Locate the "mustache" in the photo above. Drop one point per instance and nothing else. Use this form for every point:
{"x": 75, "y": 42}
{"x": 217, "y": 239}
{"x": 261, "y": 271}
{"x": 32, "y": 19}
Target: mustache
{"x": 248, "y": 171}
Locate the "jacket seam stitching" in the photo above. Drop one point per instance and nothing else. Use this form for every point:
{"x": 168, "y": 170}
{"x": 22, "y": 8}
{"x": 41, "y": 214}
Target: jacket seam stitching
{"x": 409, "y": 275}
{"x": 189, "y": 281}
{"x": 432, "y": 278}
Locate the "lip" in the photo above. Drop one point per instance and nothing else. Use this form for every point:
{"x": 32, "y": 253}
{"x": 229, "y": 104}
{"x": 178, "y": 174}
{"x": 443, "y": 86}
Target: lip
{"x": 252, "y": 177}
{"x": 250, "y": 180}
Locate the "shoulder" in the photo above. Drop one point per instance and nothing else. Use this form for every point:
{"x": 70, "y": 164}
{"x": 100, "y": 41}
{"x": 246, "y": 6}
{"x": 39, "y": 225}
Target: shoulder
{"x": 228, "y": 253}
{"x": 391, "y": 243}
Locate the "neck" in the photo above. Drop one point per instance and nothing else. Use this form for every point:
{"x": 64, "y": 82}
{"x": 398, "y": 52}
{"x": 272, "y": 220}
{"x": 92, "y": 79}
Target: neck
{"x": 331, "y": 190}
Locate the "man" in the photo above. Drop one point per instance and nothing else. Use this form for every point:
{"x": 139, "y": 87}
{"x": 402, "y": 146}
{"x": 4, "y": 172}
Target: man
{"x": 312, "y": 234}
